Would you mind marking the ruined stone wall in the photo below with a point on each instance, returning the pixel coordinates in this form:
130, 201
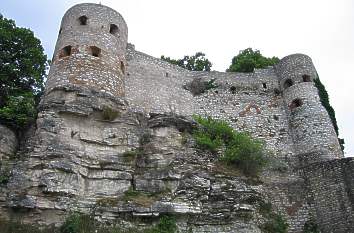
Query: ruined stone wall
249, 102
331, 188
90, 50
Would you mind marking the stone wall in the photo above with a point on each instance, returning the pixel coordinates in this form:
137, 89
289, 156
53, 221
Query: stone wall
331, 190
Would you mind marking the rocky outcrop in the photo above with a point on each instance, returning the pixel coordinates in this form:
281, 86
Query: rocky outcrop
129, 167
8, 142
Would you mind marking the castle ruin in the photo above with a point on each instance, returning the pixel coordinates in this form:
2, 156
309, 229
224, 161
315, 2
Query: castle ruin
75, 158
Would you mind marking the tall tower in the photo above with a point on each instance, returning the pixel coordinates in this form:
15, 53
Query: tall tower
313, 134
90, 50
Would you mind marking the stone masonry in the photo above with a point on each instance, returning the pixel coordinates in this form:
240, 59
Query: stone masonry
114, 121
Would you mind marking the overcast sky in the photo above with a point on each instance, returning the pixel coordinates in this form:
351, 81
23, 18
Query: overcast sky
322, 29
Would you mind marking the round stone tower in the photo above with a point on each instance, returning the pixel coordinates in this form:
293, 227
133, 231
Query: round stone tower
90, 51
312, 131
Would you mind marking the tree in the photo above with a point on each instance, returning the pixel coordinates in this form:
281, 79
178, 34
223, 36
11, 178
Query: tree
247, 60
197, 62
22, 70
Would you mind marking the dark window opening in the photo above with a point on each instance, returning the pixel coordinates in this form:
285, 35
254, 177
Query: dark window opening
83, 20
233, 89
122, 67
264, 85
113, 29
288, 83
166, 74
95, 51
306, 78
65, 52
275, 117
277, 91
296, 103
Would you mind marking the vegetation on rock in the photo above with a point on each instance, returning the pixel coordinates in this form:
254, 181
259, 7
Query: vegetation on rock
275, 222
22, 71
247, 60
239, 149
324, 98
109, 114
197, 62
83, 223
5, 173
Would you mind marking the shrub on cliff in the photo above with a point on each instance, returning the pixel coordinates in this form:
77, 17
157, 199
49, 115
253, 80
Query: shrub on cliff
239, 149
247, 60
22, 70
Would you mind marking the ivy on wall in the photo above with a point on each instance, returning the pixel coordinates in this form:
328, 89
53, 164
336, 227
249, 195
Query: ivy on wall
325, 102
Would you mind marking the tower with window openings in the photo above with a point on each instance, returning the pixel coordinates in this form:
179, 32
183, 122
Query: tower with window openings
313, 134
90, 50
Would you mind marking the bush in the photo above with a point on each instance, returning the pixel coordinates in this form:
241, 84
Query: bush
240, 149
5, 174
167, 224
276, 224
78, 223
245, 153
109, 114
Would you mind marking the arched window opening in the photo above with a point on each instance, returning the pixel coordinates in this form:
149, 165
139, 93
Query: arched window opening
296, 103
95, 51
65, 52
83, 20
113, 29
288, 83
306, 78
122, 67
264, 85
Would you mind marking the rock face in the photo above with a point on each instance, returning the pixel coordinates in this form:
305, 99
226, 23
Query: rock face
8, 142
112, 138
131, 165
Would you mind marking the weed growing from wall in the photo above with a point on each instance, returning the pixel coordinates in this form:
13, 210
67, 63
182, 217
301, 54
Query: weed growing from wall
239, 149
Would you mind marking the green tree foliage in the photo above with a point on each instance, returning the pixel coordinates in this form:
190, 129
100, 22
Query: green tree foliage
324, 98
247, 60
22, 70
239, 149
197, 62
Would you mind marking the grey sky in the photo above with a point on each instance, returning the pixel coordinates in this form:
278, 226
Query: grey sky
322, 29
